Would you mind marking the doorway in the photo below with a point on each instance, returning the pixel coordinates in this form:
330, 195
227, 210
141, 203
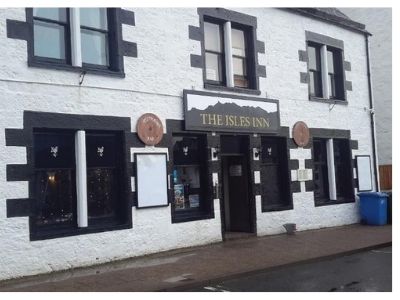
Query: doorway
236, 185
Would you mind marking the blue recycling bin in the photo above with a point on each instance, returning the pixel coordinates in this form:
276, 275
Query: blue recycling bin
373, 208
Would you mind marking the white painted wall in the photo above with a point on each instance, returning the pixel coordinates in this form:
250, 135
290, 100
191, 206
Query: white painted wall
154, 83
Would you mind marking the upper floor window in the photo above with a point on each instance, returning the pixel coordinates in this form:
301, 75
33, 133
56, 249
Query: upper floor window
325, 67
227, 54
76, 37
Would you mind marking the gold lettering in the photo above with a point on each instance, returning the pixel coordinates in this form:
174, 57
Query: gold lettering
219, 120
212, 119
203, 118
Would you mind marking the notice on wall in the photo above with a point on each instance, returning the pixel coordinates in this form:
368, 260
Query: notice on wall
152, 188
364, 173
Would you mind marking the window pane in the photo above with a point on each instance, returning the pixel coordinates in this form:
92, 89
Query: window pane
54, 150
94, 47
56, 14
49, 40
102, 192
239, 66
101, 150
213, 67
55, 197
332, 89
238, 42
312, 83
330, 62
94, 17
313, 58
212, 37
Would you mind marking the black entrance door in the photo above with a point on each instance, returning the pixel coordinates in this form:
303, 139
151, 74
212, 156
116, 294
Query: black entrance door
236, 193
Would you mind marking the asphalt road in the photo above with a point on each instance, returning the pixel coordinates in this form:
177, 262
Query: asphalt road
369, 271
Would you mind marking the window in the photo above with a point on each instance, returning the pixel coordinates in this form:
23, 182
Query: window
58, 203
55, 179
82, 38
314, 70
275, 191
190, 177
227, 61
213, 43
51, 33
332, 171
325, 69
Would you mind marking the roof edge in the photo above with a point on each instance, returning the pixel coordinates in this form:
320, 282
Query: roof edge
329, 18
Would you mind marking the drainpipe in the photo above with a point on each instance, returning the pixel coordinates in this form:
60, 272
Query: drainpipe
372, 113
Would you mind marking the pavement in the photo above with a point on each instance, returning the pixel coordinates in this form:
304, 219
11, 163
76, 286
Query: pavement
180, 269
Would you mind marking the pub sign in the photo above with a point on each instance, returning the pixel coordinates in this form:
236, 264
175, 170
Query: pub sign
221, 112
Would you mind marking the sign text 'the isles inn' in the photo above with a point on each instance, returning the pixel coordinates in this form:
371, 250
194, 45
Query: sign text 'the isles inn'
217, 112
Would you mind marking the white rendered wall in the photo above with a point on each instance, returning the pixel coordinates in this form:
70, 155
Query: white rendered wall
154, 83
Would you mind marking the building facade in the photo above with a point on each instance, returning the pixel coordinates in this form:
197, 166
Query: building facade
227, 87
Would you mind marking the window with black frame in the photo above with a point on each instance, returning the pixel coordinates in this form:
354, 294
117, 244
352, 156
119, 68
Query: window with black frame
189, 175
236, 70
214, 53
343, 171
94, 36
335, 73
320, 176
275, 192
51, 34
239, 57
54, 156
314, 69
103, 177
94, 48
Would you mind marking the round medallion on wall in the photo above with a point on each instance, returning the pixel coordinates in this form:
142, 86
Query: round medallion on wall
149, 129
301, 134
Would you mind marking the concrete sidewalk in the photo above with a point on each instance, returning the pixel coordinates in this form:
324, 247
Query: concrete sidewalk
172, 270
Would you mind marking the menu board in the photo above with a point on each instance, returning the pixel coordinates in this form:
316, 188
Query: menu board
151, 174
364, 174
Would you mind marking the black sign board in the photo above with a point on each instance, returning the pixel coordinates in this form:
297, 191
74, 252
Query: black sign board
222, 112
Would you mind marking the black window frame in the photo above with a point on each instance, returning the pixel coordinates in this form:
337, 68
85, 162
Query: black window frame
347, 177
222, 82
240, 21
338, 82
316, 72
205, 210
67, 40
338, 46
115, 49
284, 175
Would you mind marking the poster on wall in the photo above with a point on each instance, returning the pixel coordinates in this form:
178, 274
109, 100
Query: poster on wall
364, 173
151, 179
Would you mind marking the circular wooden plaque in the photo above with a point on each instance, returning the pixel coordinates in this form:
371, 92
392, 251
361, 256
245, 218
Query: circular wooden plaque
149, 129
301, 134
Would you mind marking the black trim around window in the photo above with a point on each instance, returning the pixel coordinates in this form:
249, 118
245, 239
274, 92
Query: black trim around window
249, 25
116, 47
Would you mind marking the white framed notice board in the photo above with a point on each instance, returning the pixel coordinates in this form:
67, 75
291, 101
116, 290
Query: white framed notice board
151, 179
364, 174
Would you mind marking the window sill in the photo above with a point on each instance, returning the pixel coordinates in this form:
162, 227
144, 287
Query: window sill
53, 233
333, 202
230, 89
189, 217
276, 208
330, 101
64, 67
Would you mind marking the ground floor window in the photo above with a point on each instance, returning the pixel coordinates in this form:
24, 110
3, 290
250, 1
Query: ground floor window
275, 191
190, 182
65, 201
332, 173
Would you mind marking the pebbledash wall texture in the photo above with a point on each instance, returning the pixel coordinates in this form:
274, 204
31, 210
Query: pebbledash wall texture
154, 82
